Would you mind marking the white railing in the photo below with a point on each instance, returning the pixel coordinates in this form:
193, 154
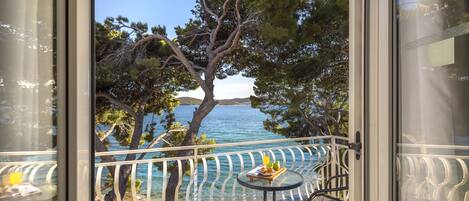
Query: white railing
37, 167
433, 172
213, 176
425, 172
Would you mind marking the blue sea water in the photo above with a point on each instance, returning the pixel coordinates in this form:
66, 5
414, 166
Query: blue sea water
230, 123
225, 124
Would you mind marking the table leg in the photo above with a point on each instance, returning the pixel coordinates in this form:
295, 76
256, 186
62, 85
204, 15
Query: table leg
273, 195
265, 195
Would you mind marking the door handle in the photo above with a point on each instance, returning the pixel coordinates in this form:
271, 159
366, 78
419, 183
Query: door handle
357, 145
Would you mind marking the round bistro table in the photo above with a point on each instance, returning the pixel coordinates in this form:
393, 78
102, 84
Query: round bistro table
286, 181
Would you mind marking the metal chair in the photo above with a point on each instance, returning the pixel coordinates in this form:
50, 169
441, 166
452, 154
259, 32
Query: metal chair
325, 191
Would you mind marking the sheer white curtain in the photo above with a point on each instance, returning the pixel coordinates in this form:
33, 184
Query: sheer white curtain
27, 92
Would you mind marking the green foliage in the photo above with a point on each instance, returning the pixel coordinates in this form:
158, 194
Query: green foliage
176, 139
299, 58
138, 185
133, 84
138, 80
109, 183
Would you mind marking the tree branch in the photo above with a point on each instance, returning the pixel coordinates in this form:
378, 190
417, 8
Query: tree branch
210, 11
213, 34
108, 132
235, 34
158, 139
160, 68
101, 148
116, 102
178, 54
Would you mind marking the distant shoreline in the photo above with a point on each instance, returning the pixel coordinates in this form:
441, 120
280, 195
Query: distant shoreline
233, 101
195, 105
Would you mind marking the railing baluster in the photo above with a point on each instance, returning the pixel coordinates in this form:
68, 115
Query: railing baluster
97, 187
133, 177
49, 174
4, 168
292, 167
335, 156
272, 154
18, 168
33, 173
302, 156
26, 171
464, 179
284, 162
212, 187
149, 179
228, 177
299, 169
116, 183
410, 176
196, 173
293, 158
306, 168
429, 178
204, 162
165, 180
176, 194
438, 194
315, 168
253, 163
241, 167
191, 179
284, 159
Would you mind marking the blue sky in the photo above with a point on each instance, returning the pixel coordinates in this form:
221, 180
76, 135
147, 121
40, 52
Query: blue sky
171, 13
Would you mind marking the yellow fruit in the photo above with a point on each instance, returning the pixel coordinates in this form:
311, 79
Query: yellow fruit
16, 178
276, 165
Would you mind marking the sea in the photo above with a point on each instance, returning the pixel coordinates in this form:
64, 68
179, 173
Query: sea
225, 124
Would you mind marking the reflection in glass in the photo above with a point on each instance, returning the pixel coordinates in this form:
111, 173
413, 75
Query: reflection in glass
433, 65
28, 102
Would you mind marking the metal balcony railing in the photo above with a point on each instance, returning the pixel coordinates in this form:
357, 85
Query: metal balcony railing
213, 176
37, 167
433, 172
425, 172
208, 177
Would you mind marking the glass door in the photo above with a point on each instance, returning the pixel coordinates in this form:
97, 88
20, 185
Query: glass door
432, 97
31, 107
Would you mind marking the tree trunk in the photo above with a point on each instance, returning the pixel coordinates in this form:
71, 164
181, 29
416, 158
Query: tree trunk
126, 170
202, 111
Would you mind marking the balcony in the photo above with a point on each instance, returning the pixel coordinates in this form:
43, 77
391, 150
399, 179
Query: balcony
212, 178
425, 172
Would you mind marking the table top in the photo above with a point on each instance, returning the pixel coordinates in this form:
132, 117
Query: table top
286, 181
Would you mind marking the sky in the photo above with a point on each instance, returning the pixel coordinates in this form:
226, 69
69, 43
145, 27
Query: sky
171, 13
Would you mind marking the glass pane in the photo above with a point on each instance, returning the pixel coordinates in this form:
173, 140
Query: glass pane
28, 100
433, 65
270, 76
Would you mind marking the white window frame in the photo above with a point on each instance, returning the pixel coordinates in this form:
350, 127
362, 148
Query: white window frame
379, 100
356, 96
80, 93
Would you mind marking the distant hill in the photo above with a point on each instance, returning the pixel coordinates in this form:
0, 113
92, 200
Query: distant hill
189, 101
196, 101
